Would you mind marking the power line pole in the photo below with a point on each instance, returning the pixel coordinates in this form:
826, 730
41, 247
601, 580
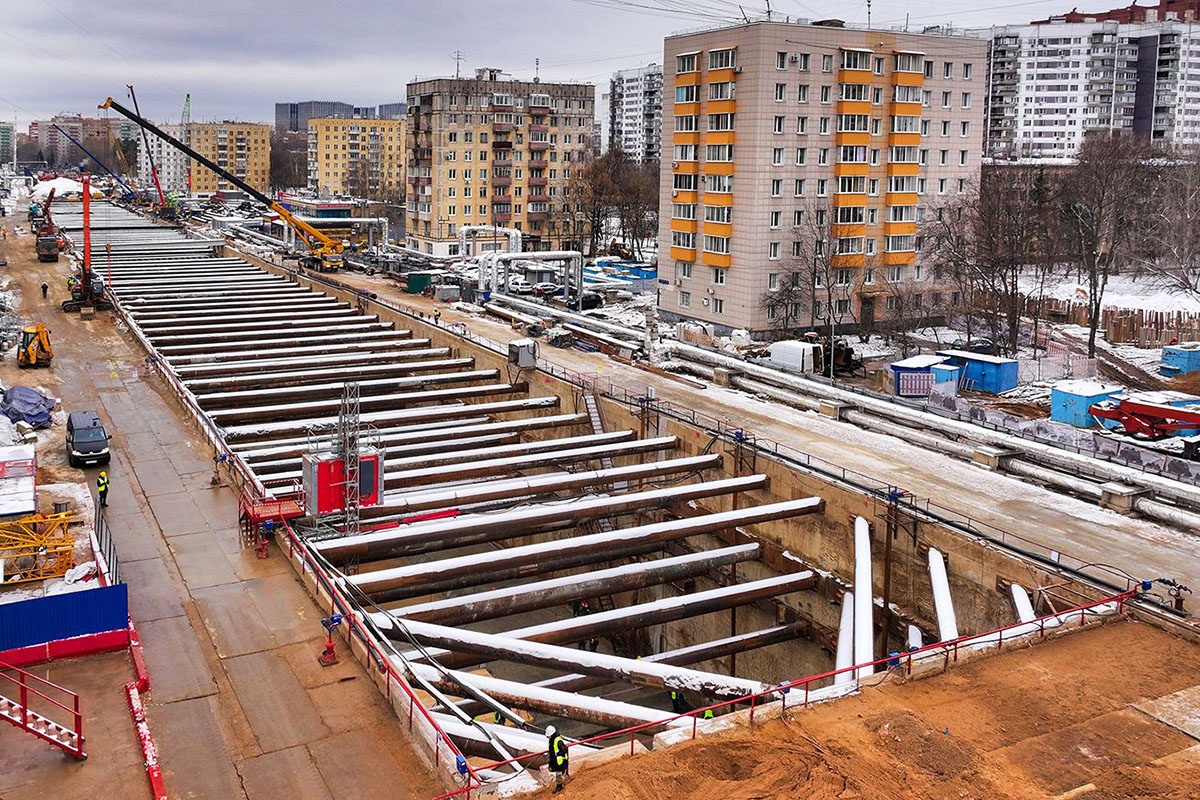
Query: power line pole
459, 56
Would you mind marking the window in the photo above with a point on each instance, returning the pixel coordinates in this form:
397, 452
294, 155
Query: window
928, 69
842, 277
718, 305
849, 245
947, 69
721, 184
908, 62
852, 184
797, 217
823, 125
874, 156
822, 187
924, 127
902, 214
856, 59
906, 124
826, 63
685, 63
871, 244
826, 94
774, 217
926, 98
772, 281
717, 152
685, 124
777, 156
891, 302
853, 123
776, 187
896, 274
777, 124
964, 128
802, 93
797, 249
876, 124
720, 122
722, 214
967, 69
873, 187
822, 215
721, 59
962, 158
801, 124
878, 67
924, 157
802, 58
901, 244
685, 299
718, 276
773, 251
684, 152
918, 272
945, 127
842, 306
903, 154
877, 95
799, 192
781, 61
801, 156
907, 94
685, 269
852, 154
780, 92
872, 216
822, 156
966, 99
686, 94
946, 99
942, 156
849, 215
683, 210
962, 185
720, 91
684, 182
683, 239
921, 186
941, 185
854, 91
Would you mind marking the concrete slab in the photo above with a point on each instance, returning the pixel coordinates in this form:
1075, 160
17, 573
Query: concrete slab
201, 561
249, 566
178, 669
280, 712
195, 761
218, 505
152, 592
177, 514
351, 704
302, 662
284, 607
123, 413
157, 477
283, 775
232, 621
1180, 710
142, 443
348, 774
136, 536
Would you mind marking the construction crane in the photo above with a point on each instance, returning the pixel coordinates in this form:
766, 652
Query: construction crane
146, 143
325, 253
35, 348
47, 242
92, 156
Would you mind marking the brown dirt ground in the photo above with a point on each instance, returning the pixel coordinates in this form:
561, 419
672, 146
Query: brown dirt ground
1033, 723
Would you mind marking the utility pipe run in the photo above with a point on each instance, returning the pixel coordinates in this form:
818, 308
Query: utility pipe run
864, 626
1022, 603
947, 621
845, 642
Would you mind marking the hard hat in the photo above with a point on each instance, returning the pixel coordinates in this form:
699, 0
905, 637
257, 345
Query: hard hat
551, 730
103, 474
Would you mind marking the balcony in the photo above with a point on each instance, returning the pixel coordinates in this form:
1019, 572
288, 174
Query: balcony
501, 180
536, 163
537, 216
539, 198
538, 181
502, 127
501, 198
539, 146
539, 128
538, 106
501, 216
502, 144
492, 106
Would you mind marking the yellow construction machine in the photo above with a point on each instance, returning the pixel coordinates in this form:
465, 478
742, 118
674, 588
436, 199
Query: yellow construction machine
35, 348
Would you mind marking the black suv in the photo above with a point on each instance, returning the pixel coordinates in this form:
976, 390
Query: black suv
87, 441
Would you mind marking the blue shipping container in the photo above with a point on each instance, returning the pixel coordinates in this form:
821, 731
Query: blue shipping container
984, 373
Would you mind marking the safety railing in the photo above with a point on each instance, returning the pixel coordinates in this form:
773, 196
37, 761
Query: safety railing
947, 651
107, 548
24, 688
458, 765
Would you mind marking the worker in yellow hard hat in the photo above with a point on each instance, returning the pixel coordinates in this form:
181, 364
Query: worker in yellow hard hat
102, 489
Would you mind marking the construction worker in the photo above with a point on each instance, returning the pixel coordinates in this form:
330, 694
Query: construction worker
4, 233
437, 316
558, 758
581, 608
678, 704
707, 714
45, 289
102, 489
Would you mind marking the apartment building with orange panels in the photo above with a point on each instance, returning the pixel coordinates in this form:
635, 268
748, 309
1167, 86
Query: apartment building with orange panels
243, 148
769, 123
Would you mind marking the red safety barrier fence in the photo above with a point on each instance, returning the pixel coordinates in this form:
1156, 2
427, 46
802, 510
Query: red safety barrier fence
948, 651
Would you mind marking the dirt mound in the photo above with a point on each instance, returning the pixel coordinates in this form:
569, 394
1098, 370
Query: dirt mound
911, 740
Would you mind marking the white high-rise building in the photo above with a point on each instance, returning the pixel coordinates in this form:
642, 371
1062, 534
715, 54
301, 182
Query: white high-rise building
1052, 83
635, 112
172, 165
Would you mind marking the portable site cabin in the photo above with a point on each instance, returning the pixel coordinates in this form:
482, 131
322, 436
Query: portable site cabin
983, 373
1070, 401
1180, 359
912, 376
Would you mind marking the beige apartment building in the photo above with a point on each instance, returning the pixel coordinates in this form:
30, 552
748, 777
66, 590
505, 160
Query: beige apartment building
490, 150
772, 128
358, 157
243, 148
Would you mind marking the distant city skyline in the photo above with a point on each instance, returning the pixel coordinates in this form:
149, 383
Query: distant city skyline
282, 53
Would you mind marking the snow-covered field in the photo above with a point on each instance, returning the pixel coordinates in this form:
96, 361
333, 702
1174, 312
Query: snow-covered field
1123, 291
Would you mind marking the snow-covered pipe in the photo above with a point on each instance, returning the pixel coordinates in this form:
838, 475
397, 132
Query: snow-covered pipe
911, 435
927, 420
513, 235
942, 602
1022, 603
864, 626
845, 642
775, 393
1080, 486
915, 640
497, 260
579, 319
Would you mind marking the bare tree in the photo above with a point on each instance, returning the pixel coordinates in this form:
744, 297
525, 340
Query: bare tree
909, 308
1170, 246
1103, 200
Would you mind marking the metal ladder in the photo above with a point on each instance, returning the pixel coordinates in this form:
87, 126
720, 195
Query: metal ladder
17, 711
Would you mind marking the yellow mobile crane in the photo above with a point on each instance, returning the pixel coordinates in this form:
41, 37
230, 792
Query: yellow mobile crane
324, 253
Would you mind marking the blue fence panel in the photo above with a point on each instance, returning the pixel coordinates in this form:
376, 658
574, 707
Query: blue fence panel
63, 616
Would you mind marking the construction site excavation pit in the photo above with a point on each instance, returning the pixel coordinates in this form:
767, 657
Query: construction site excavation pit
547, 554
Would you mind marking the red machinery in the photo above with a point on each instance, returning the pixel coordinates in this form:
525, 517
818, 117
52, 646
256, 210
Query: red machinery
1143, 418
324, 481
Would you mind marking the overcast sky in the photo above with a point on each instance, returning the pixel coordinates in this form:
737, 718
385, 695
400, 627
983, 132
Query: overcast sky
239, 57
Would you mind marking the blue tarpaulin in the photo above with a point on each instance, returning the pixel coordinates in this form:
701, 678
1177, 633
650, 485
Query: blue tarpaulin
22, 404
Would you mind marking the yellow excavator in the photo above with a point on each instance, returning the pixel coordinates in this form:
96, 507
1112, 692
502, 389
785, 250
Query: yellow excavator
35, 348
324, 252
